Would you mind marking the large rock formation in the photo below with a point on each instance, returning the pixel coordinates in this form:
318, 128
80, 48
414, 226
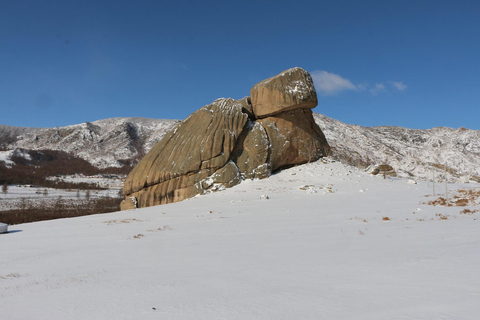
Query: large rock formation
229, 140
197, 148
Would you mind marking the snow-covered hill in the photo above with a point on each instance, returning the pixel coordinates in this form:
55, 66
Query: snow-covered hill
104, 143
317, 241
419, 154
412, 153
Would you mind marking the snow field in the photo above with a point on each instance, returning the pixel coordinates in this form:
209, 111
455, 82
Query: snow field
16, 194
319, 247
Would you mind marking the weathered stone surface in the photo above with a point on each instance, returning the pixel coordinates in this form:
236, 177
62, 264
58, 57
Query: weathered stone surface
128, 204
226, 177
373, 170
193, 150
252, 152
387, 170
294, 139
173, 190
247, 107
382, 169
227, 141
291, 89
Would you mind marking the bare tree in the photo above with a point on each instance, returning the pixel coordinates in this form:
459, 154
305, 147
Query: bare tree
5, 188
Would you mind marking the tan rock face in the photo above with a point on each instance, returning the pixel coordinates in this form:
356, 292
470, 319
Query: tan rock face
294, 138
386, 170
227, 176
128, 204
193, 150
291, 89
227, 141
247, 107
252, 152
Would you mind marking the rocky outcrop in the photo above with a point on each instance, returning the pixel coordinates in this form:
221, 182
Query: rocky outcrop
229, 140
294, 138
291, 89
252, 154
195, 149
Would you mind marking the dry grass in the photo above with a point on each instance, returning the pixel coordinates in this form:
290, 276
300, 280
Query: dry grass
10, 276
357, 218
116, 221
164, 228
441, 201
471, 195
441, 216
459, 203
468, 211
461, 198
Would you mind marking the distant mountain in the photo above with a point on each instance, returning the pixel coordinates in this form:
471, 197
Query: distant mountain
104, 143
413, 153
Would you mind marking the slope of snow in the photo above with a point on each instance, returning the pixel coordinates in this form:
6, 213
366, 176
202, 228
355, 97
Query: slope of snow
311, 242
16, 195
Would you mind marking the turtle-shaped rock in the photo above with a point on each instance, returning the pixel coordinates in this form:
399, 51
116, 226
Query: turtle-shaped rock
229, 140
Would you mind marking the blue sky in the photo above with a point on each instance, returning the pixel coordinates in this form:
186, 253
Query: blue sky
414, 64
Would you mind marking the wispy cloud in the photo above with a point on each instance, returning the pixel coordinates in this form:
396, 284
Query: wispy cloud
398, 85
328, 83
378, 88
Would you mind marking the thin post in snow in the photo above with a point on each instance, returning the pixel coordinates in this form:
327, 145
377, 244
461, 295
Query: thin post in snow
446, 185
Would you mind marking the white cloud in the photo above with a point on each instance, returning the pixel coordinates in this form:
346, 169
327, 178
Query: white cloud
398, 85
362, 86
328, 83
379, 87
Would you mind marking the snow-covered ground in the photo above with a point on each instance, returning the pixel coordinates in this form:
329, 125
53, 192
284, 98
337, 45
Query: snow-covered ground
110, 181
319, 241
29, 193
18, 193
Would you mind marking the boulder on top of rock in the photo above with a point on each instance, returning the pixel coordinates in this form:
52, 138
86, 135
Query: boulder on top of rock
291, 89
229, 140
